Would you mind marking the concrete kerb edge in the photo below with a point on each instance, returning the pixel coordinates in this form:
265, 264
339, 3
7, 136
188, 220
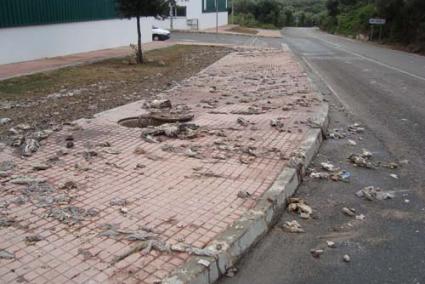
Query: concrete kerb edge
244, 233
225, 33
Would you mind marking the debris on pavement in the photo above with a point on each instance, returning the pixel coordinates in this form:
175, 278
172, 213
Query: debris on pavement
299, 206
231, 272
329, 167
242, 121
356, 128
40, 166
316, 253
372, 193
26, 180
362, 160
4, 254
33, 239
158, 104
346, 258
30, 147
243, 194
331, 244
351, 212
360, 217
5, 120
394, 176
70, 215
293, 227
204, 262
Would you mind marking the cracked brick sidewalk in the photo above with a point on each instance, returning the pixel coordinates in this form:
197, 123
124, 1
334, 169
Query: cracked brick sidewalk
177, 198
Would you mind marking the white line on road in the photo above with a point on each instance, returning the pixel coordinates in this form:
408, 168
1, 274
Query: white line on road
346, 106
373, 60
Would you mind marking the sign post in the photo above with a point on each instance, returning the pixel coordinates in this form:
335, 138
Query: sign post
380, 23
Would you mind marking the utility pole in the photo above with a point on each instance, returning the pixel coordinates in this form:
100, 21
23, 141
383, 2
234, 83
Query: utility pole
216, 16
233, 12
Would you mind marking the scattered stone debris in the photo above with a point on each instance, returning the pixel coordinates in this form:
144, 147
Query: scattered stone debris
71, 215
331, 244
372, 193
346, 258
299, 206
352, 142
40, 166
244, 194
329, 167
26, 180
351, 212
82, 166
250, 111
104, 144
242, 121
362, 160
24, 126
4, 254
68, 185
356, 128
6, 221
118, 202
334, 176
293, 227
337, 134
316, 253
277, 123
171, 130
204, 262
5, 120
394, 176
158, 104
360, 217
231, 272
33, 239
30, 147
139, 151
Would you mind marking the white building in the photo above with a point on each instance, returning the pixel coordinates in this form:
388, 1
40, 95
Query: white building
196, 15
37, 29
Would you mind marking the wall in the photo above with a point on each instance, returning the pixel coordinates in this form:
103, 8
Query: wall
34, 42
194, 11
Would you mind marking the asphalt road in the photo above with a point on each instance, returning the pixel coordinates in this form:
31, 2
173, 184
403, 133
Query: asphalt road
384, 90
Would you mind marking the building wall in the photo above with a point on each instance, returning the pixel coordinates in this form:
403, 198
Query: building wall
35, 42
195, 11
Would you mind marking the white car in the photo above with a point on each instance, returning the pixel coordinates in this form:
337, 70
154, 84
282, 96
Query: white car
160, 34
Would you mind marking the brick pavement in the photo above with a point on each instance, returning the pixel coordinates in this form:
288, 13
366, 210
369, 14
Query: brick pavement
173, 197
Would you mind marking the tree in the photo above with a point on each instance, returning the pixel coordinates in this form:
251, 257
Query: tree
143, 8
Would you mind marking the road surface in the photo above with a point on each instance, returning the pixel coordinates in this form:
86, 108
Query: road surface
384, 90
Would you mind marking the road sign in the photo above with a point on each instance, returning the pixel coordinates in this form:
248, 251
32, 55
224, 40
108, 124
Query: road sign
377, 21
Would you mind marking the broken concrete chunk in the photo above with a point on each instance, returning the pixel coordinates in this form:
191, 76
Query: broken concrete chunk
160, 104
30, 146
293, 227
371, 193
349, 211
243, 194
204, 262
331, 244
242, 121
329, 167
4, 254
32, 239
23, 126
26, 180
5, 120
298, 205
346, 258
40, 166
316, 253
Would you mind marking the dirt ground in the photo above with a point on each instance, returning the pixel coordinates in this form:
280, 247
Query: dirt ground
50, 99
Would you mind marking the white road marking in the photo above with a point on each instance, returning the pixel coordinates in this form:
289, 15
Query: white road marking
373, 60
326, 83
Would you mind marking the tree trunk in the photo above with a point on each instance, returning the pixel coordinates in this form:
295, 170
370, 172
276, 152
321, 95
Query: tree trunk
139, 43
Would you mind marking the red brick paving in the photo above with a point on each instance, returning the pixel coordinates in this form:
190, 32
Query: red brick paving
166, 196
45, 64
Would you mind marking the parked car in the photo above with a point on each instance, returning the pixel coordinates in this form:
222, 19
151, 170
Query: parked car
160, 34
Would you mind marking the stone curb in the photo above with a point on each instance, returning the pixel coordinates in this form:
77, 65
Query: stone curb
225, 33
230, 245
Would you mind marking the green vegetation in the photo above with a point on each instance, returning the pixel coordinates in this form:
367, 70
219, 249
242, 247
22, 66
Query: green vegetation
405, 20
278, 13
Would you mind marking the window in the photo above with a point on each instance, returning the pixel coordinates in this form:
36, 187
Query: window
208, 6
